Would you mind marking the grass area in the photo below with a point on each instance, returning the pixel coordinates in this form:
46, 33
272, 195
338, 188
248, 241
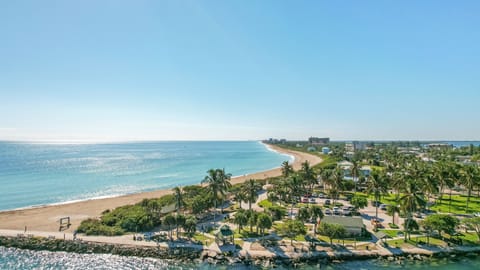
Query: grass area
202, 238
458, 204
414, 241
245, 233
265, 203
391, 233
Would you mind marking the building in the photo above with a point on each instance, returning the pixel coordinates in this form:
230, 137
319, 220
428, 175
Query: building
311, 149
325, 150
318, 141
353, 225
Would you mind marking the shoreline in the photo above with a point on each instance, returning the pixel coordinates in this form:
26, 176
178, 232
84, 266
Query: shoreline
45, 217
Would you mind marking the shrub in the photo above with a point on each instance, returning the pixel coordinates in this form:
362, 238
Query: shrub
95, 227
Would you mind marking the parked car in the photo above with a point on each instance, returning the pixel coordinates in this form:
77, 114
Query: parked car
376, 223
336, 210
376, 203
312, 200
383, 207
328, 212
304, 200
321, 195
327, 202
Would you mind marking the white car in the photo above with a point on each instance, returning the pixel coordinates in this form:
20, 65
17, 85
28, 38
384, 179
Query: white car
336, 210
328, 212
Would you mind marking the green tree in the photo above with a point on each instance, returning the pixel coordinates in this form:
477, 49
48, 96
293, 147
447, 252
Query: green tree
296, 189
252, 219
292, 228
392, 210
264, 222
377, 185
473, 224
471, 178
240, 219
332, 230
308, 175
316, 213
179, 202
190, 225
359, 202
411, 200
303, 214
218, 183
441, 223
251, 188
170, 221
179, 222
287, 169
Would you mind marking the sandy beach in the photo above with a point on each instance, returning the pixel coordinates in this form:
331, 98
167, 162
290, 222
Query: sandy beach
46, 218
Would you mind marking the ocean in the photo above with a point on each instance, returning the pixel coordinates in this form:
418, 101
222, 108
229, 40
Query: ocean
12, 258
33, 174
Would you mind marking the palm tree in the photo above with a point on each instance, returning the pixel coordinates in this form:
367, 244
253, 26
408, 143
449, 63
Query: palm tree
179, 222
471, 178
296, 188
179, 203
169, 220
264, 222
240, 219
377, 186
190, 225
218, 183
251, 189
355, 173
336, 183
287, 169
309, 175
411, 200
239, 196
316, 213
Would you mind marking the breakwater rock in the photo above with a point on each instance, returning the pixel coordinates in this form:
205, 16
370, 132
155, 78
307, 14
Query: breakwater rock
41, 243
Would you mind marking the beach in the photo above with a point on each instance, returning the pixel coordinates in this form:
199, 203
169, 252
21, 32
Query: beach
46, 218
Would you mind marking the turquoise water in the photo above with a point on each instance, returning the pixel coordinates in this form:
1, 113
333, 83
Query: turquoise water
37, 174
11, 258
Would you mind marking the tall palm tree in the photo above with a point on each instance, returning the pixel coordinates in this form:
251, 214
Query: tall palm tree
251, 189
239, 196
411, 200
218, 183
336, 183
377, 186
179, 202
355, 170
287, 169
471, 178
316, 213
309, 175
296, 188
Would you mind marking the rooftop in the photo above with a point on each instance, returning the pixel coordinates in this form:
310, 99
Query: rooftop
355, 222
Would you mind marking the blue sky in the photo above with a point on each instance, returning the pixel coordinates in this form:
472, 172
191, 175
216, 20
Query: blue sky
209, 70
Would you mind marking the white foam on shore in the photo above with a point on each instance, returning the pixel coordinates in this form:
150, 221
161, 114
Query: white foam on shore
290, 156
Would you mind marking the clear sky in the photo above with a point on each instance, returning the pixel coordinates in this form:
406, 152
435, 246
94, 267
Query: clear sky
208, 70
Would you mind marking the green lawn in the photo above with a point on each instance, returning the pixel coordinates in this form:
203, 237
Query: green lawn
391, 233
458, 204
202, 238
265, 203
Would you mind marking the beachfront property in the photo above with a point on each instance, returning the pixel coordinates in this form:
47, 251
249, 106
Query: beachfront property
353, 225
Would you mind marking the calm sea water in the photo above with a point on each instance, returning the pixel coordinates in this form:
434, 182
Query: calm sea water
11, 258
37, 174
